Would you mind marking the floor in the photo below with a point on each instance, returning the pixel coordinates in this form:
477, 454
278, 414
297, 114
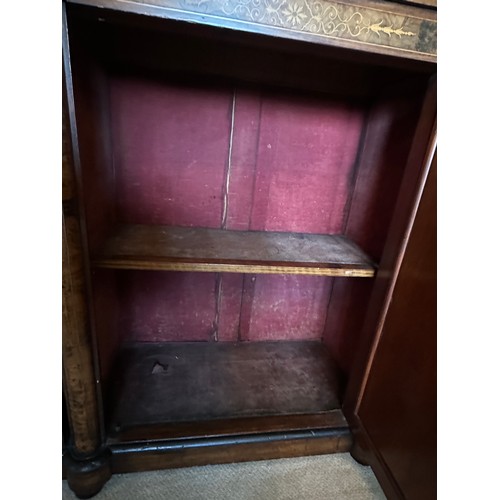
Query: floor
323, 477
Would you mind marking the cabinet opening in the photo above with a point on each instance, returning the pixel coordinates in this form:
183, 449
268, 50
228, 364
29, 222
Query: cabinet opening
237, 199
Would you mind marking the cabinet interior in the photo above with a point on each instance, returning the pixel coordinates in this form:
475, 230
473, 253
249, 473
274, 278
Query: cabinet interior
237, 193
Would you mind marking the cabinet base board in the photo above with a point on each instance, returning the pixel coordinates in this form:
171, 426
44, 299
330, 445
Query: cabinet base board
215, 383
229, 427
205, 451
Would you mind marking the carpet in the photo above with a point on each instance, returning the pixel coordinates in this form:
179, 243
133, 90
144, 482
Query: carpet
321, 477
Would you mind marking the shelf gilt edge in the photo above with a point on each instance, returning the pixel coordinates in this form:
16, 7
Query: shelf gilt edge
233, 268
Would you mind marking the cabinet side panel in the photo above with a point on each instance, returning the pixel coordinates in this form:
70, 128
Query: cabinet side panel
398, 407
417, 168
91, 100
345, 318
387, 143
78, 352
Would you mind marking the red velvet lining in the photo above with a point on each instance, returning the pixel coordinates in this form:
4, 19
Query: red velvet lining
291, 169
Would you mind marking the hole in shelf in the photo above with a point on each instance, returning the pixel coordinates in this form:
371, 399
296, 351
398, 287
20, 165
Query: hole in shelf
159, 368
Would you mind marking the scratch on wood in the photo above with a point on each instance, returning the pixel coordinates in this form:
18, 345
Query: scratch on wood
225, 209
225, 194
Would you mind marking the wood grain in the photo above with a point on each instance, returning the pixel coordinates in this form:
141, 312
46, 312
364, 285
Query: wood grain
410, 420
210, 250
77, 352
178, 382
78, 376
398, 406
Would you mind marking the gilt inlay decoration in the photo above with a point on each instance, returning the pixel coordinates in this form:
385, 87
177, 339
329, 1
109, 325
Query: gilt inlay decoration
412, 34
323, 18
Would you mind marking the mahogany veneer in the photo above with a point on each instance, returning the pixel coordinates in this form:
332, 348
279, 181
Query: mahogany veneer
226, 181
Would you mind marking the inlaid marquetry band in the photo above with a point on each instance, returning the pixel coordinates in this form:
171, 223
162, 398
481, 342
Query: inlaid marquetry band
233, 268
336, 21
324, 18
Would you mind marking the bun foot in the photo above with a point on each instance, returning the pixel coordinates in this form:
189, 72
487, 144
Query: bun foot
360, 451
87, 477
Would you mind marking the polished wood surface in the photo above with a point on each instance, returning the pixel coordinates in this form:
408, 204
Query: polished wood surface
211, 250
333, 419
193, 452
397, 410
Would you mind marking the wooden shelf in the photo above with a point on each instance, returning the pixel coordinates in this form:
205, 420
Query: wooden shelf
180, 389
216, 250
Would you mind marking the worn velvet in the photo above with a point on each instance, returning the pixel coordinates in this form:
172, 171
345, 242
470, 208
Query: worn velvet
288, 162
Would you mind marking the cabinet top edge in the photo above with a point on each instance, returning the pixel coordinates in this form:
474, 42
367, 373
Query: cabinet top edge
374, 27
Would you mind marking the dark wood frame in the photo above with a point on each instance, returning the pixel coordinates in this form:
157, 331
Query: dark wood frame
90, 457
416, 387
